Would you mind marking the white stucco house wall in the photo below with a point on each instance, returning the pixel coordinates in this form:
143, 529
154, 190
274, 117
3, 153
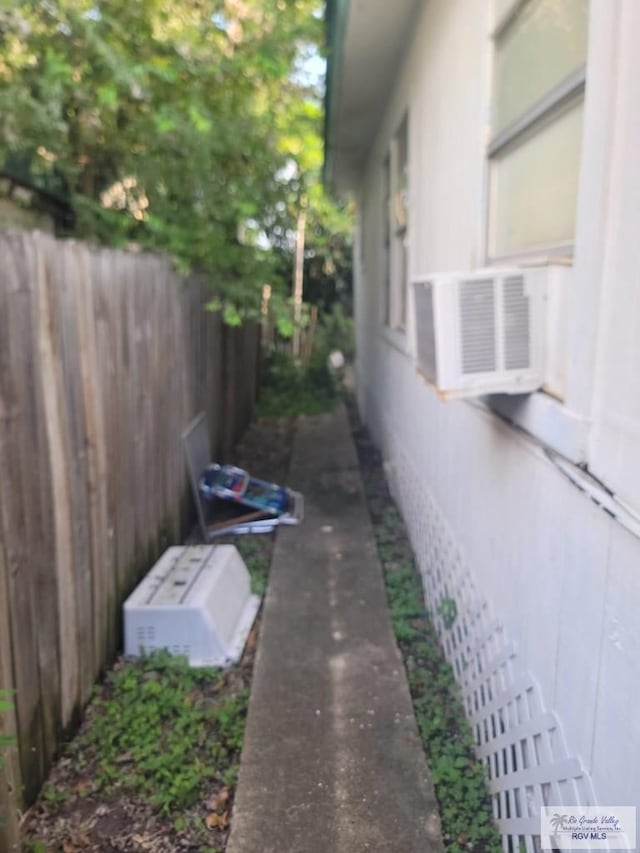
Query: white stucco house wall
490, 135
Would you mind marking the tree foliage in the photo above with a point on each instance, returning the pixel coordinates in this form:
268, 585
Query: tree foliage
180, 125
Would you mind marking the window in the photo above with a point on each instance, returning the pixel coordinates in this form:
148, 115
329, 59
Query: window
396, 228
386, 241
534, 155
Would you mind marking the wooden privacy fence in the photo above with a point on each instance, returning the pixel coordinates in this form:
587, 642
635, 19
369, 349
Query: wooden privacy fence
105, 357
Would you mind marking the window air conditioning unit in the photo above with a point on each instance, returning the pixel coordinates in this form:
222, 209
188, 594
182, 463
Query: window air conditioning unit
481, 332
196, 601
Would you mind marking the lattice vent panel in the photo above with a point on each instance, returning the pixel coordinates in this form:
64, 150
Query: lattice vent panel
518, 739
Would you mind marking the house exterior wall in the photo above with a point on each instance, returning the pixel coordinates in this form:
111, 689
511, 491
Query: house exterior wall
546, 643
615, 440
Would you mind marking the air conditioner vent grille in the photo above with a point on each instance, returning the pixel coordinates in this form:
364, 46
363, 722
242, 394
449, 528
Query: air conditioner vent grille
517, 343
477, 326
426, 339
482, 331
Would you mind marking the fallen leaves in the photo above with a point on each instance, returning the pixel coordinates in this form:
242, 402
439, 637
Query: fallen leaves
84, 787
143, 842
217, 821
222, 798
218, 818
78, 843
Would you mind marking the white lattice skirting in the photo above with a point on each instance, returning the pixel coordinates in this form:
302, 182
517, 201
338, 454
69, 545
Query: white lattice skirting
518, 739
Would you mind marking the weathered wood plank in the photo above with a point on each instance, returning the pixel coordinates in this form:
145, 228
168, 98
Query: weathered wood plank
50, 335
16, 462
103, 329
102, 613
10, 777
40, 534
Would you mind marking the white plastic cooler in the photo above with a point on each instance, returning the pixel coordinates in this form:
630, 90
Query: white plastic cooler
196, 601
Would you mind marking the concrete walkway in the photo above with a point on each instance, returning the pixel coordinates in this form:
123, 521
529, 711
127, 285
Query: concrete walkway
332, 762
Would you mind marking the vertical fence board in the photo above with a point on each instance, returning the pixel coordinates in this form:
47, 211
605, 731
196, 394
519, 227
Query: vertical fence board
101, 635
10, 777
39, 530
50, 336
10, 782
105, 357
109, 313
17, 468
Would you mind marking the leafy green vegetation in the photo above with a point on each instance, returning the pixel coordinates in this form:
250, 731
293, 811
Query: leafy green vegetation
5, 705
157, 730
289, 389
193, 128
6, 741
459, 779
308, 387
159, 750
256, 553
448, 610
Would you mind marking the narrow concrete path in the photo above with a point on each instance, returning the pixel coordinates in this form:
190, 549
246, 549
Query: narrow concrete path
332, 761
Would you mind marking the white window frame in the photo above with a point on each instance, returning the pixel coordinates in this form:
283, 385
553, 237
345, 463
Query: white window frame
386, 241
395, 205
565, 95
558, 423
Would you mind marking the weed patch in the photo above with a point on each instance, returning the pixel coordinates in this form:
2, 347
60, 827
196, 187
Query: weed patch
256, 553
159, 731
160, 745
6, 741
458, 777
289, 390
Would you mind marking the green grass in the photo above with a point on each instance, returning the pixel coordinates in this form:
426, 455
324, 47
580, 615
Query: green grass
6, 741
256, 553
5, 705
158, 731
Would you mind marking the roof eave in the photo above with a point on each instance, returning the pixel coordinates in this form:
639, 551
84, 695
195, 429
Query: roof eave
337, 12
367, 41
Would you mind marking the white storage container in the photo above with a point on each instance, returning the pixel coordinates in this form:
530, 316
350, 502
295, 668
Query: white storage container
196, 601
